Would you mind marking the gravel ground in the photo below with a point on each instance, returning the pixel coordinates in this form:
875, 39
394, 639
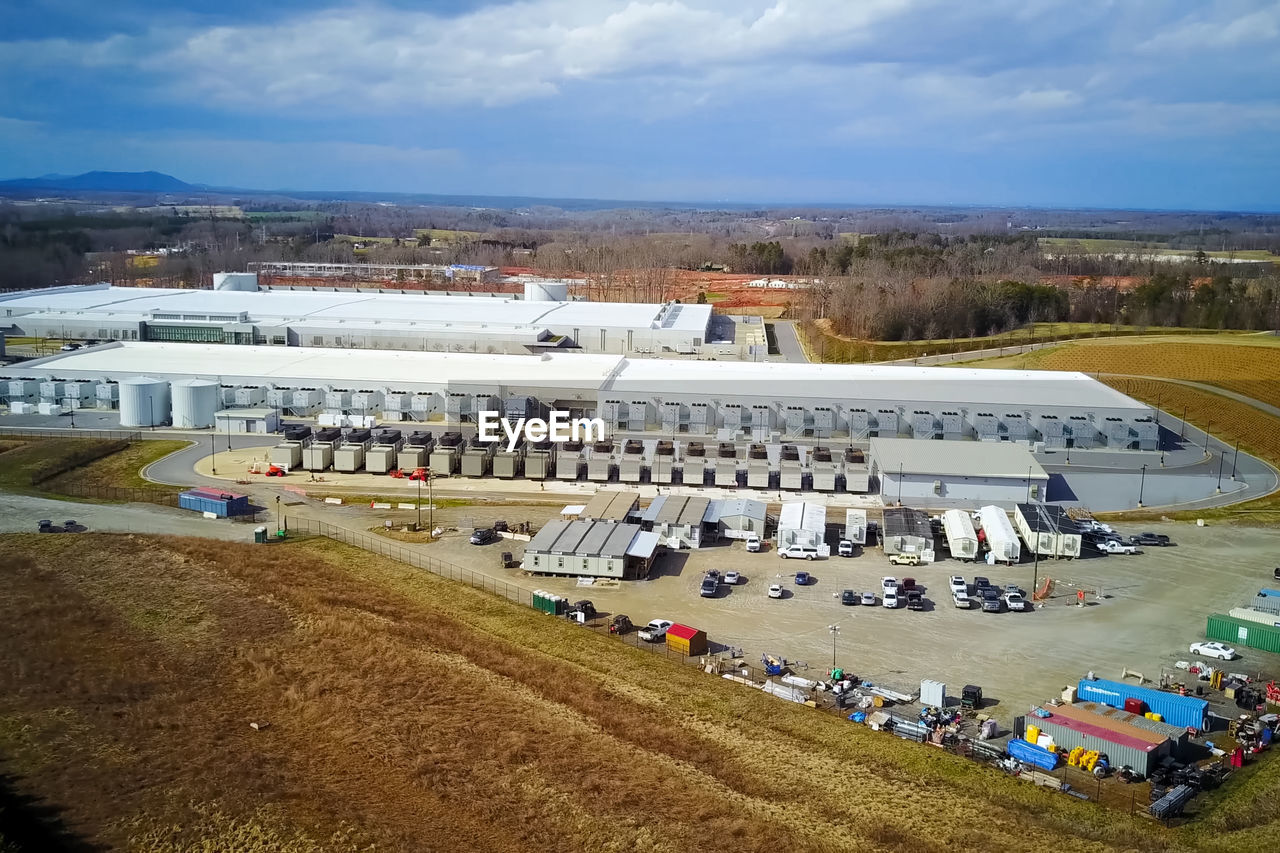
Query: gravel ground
19, 514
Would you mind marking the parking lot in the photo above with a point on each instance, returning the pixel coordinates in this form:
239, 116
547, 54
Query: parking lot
1141, 612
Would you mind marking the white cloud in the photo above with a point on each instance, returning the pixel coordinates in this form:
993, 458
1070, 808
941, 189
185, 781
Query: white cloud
1208, 31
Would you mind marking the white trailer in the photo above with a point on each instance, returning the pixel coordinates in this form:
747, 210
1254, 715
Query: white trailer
855, 526
1036, 529
962, 539
998, 533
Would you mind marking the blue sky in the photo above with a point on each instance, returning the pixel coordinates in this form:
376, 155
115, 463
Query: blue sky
1114, 103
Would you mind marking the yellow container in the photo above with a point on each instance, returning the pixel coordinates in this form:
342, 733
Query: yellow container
1033, 733
1156, 717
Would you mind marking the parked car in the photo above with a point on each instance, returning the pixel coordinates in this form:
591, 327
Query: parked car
888, 583
803, 578
961, 600
959, 584
1015, 602
798, 552
904, 559
1158, 540
69, 347
1012, 588
483, 536
733, 578
849, 598
1221, 651
714, 574
753, 543
915, 600
1114, 546
709, 587
991, 602
869, 599
845, 548
775, 590
656, 630
890, 598
907, 584
979, 584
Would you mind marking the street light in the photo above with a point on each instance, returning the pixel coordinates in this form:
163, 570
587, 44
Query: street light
419, 503
835, 632
1234, 457
1222, 458
1206, 436
1141, 484
899, 484
214, 448
279, 515
1029, 470
1183, 431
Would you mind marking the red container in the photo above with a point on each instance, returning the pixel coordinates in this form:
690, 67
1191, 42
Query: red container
1134, 705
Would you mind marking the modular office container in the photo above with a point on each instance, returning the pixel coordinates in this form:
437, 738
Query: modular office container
1255, 635
1185, 711
962, 540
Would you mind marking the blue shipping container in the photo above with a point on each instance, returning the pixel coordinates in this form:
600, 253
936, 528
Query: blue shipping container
221, 505
1029, 753
1185, 711
1269, 593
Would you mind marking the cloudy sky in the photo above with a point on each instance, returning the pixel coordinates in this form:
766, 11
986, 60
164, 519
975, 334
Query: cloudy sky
1120, 103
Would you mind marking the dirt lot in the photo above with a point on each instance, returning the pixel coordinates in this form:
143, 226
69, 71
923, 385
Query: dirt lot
1151, 607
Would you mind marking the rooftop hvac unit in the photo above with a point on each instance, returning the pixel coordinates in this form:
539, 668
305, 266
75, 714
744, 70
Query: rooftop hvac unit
337, 400
279, 398
250, 396
51, 389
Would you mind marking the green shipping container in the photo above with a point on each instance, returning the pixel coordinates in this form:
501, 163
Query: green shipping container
1241, 633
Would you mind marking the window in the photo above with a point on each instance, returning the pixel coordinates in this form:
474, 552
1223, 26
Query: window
277, 340
317, 341
559, 562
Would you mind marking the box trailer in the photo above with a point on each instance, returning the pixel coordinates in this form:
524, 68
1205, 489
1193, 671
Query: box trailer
1240, 632
1185, 711
997, 532
962, 539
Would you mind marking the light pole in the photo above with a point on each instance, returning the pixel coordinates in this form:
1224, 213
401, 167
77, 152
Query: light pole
1142, 483
899, 484
835, 632
1234, 457
419, 503
1029, 469
1206, 436
213, 447
1183, 431
1222, 458
279, 515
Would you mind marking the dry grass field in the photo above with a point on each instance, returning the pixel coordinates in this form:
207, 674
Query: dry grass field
1251, 370
409, 713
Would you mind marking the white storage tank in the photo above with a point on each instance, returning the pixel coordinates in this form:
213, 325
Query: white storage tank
546, 291
144, 401
235, 281
195, 403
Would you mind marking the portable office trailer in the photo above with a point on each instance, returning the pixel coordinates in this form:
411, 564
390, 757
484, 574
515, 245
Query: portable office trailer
1035, 529
1067, 538
677, 519
1185, 711
802, 523
735, 517
962, 539
997, 532
611, 505
855, 526
906, 531
591, 548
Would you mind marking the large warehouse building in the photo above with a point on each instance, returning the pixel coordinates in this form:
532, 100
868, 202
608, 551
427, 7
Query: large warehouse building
237, 311
732, 414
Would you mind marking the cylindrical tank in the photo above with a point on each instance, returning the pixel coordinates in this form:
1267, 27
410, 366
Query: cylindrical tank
144, 401
195, 403
546, 291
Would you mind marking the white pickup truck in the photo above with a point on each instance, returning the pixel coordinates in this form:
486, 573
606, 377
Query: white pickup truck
1111, 546
655, 630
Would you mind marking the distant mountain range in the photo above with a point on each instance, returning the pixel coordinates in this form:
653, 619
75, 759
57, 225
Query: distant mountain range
111, 182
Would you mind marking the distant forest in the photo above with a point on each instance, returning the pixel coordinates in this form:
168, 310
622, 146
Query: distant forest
875, 274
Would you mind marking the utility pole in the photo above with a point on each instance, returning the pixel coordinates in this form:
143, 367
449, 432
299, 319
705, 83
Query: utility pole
1141, 484
835, 632
1222, 458
1234, 457
213, 447
419, 503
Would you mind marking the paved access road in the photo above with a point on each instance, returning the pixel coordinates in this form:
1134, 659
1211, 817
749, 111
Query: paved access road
789, 349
